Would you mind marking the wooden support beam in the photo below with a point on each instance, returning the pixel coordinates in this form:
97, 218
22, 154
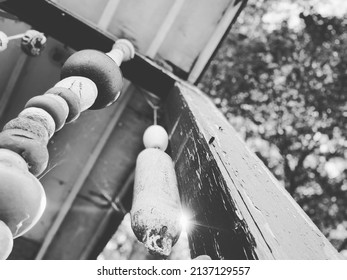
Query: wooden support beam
11, 84
238, 209
165, 27
108, 14
47, 17
110, 222
222, 29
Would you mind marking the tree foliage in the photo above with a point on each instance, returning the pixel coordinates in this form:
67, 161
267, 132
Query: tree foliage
285, 91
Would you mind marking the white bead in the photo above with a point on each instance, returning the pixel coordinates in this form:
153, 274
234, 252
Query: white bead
156, 136
3, 41
41, 116
83, 87
123, 50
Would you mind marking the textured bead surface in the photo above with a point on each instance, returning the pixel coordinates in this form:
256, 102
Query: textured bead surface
28, 146
12, 159
85, 90
156, 209
72, 100
30, 126
41, 116
22, 199
156, 136
101, 69
6, 241
33, 42
55, 105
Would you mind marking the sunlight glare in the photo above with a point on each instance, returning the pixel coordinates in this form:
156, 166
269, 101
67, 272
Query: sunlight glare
185, 221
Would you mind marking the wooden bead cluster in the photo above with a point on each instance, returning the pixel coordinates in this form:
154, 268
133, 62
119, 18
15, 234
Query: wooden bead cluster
90, 80
32, 42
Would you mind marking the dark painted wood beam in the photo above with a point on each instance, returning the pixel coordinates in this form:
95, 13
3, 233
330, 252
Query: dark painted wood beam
46, 17
238, 209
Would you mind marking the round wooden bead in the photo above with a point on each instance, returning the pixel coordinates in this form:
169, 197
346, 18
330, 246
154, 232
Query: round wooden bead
27, 145
6, 241
3, 41
41, 116
72, 100
30, 126
156, 136
22, 199
101, 69
85, 89
12, 159
55, 105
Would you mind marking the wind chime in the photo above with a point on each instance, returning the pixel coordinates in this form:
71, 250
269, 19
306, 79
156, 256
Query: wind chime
90, 80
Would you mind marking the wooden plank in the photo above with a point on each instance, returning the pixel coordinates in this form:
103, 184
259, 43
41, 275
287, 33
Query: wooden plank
57, 22
12, 82
191, 31
178, 30
140, 21
164, 28
107, 14
239, 210
89, 10
61, 25
221, 30
110, 222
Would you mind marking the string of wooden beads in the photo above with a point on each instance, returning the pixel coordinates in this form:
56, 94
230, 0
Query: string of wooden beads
90, 80
156, 208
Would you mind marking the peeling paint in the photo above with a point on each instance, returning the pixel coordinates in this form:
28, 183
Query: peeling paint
238, 189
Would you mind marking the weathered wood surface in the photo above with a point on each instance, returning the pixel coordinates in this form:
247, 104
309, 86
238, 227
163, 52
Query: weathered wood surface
222, 29
174, 32
62, 26
239, 210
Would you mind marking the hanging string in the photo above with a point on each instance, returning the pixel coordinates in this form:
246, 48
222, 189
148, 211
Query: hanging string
151, 104
19, 36
155, 115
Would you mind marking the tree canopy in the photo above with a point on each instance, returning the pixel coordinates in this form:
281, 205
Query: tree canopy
285, 91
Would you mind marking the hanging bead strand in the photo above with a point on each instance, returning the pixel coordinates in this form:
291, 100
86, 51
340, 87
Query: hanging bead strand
23, 141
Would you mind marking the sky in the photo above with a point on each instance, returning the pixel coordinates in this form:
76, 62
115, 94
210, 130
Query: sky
283, 10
